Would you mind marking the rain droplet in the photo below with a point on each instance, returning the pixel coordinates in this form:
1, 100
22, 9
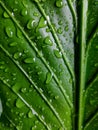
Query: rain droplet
34, 127
23, 90
21, 114
36, 14
48, 41
59, 30
60, 22
48, 78
30, 114
5, 14
19, 103
17, 55
13, 44
42, 23
59, 3
9, 31
66, 28
56, 97
19, 33
30, 24
57, 53
24, 12
29, 60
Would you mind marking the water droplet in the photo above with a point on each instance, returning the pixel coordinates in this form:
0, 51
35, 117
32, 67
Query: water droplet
59, 30
24, 12
21, 114
47, 30
29, 60
59, 3
42, 23
48, 78
60, 22
2, 67
57, 53
36, 122
56, 97
6, 70
36, 14
34, 127
61, 128
5, 14
15, 87
30, 24
19, 33
30, 114
17, 55
96, 47
13, 44
19, 103
96, 65
9, 31
48, 41
25, 3
66, 28
23, 90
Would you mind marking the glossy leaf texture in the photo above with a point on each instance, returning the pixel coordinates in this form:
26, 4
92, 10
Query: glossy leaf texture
40, 41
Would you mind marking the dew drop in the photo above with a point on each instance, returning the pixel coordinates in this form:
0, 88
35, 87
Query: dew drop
30, 114
57, 53
34, 127
30, 24
19, 103
9, 31
42, 23
5, 14
59, 3
61, 128
19, 33
59, 30
36, 14
29, 60
2, 67
96, 65
23, 90
48, 41
24, 12
17, 55
13, 44
21, 114
66, 28
56, 97
60, 22
36, 122
48, 78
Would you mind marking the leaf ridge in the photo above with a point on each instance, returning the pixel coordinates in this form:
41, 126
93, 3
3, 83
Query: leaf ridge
10, 121
56, 39
42, 58
27, 104
95, 114
92, 82
73, 13
34, 85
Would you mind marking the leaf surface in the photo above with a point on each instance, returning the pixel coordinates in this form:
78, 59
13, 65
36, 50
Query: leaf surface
48, 65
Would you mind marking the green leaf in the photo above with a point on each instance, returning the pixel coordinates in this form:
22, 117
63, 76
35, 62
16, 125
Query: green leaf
48, 65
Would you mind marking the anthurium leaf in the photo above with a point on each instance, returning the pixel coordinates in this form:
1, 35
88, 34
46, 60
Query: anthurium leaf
42, 84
